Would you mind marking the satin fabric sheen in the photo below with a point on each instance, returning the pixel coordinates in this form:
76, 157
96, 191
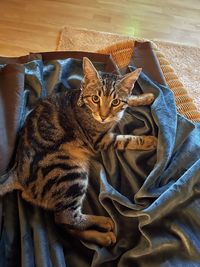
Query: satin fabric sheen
152, 196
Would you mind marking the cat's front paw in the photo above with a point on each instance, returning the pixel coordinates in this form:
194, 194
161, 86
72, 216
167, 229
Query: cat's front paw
132, 142
141, 100
103, 239
105, 224
149, 142
106, 239
149, 97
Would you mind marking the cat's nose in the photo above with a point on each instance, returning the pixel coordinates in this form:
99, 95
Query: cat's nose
103, 117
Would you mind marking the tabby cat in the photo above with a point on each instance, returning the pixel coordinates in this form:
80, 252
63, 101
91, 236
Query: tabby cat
56, 143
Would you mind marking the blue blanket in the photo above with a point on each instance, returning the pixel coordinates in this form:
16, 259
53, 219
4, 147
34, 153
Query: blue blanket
152, 196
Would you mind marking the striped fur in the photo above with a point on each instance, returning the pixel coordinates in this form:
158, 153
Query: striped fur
57, 140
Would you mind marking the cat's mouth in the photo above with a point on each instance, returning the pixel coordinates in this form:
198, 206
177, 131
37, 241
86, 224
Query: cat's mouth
102, 120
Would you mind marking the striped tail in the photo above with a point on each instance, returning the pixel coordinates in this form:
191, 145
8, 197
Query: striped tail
9, 183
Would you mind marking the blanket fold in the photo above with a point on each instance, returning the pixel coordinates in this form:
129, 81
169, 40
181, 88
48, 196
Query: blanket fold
152, 196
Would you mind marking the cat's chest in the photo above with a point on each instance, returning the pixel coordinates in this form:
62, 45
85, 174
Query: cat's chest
77, 152
92, 129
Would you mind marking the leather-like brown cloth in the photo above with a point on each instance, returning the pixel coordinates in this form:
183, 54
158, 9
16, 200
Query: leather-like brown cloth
11, 91
12, 84
144, 57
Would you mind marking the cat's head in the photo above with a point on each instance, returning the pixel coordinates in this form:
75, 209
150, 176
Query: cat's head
106, 96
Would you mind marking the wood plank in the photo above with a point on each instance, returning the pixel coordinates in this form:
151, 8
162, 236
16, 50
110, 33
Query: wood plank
34, 25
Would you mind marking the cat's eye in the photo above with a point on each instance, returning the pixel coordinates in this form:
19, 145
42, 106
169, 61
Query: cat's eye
116, 102
95, 98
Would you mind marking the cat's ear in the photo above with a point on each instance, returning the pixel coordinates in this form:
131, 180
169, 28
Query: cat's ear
129, 80
89, 71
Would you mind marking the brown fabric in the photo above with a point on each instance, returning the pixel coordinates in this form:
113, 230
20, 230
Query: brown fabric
11, 96
145, 58
121, 52
139, 54
19, 60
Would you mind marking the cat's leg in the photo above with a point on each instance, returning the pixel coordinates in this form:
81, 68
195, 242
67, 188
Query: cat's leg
68, 200
82, 225
141, 100
77, 220
92, 236
132, 142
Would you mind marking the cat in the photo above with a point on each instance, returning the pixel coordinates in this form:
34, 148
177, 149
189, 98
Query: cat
57, 140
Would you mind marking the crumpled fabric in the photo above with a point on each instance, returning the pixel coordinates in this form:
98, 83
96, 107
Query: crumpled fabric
152, 196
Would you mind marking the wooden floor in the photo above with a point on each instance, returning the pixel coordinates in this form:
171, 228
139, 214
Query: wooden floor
34, 25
